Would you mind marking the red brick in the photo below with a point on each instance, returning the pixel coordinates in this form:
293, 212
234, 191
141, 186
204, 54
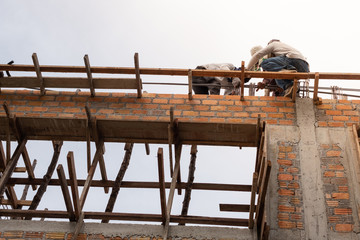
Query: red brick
202, 108
218, 120
343, 107
200, 119
259, 103
241, 114
207, 114
272, 121
228, 103
286, 192
335, 166
343, 227
340, 118
276, 104
190, 113
218, 108
283, 216
336, 124
234, 120
210, 102
343, 188
333, 112
133, 105
287, 224
333, 153
34, 235
324, 106
351, 113
286, 177
287, 110
182, 107
224, 114
176, 101
252, 109
255, 115
322, 124
269, 109
13, 234
332, 203
294, 185
329, 174
140, 111
276, 115
340, 195
342, 211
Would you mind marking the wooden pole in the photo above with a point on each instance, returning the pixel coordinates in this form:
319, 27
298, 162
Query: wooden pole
137, 74
65, 191
89, 75
74, 185
120, 176
190, 84
38, 73
47, 177
162, 185
242, 90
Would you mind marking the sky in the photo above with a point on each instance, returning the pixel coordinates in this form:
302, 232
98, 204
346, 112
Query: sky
174, 34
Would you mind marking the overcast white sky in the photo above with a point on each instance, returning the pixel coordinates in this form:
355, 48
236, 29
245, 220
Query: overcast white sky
175, 34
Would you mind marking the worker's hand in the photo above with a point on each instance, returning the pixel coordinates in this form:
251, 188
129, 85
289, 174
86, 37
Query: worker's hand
260, 85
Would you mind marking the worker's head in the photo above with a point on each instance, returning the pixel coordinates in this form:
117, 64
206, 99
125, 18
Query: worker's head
273, 40
255, 49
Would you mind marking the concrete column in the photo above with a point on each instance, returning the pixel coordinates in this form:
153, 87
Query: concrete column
315, 220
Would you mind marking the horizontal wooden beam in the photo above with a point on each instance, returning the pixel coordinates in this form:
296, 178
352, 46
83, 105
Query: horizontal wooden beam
223, 134
178, 72
131, 184
234, 207
127, 217
69, 82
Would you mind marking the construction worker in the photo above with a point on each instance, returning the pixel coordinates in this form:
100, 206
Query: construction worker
283, 58
212, 85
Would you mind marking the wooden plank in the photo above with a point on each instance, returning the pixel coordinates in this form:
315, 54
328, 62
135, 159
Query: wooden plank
74, 185
190, 84
65, 191
40, 79
11, 166
127, 217
137, 74
120, 176
98, 154
171, 196
89, 75
146, 185
160, 157
234, 207
46, 179
252, 200
171, 140
190, 181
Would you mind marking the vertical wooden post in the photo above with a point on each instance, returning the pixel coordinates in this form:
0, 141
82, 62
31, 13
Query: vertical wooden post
162, 184
242, 81
74, 185
38, 73
190, 84
316, 87
295, 86
137, 73
89, 75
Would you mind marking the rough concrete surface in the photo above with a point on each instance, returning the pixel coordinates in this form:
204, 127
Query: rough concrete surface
129, 230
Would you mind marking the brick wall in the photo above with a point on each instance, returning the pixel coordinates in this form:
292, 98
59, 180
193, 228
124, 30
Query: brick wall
338, 113
290, 214
336, 189
150, 107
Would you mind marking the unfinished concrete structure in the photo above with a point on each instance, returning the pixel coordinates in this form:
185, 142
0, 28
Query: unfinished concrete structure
306, 177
